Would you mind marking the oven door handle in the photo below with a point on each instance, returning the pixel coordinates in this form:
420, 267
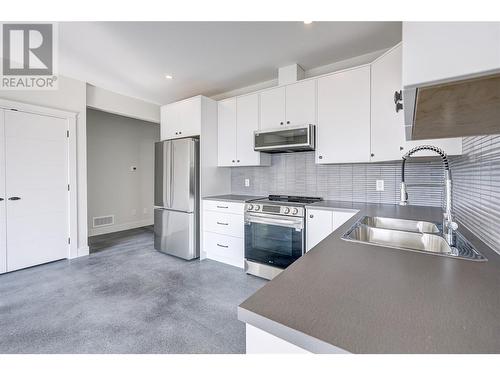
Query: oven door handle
297, 224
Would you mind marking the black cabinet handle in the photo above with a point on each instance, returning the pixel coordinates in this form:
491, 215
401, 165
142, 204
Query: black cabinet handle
237, 161
1, 199
311, 216
320, 157
14, 198
281, 123
401, 148
233, 161
398, 96
288, 122
399, 107
372, 155
222, 223
224, 246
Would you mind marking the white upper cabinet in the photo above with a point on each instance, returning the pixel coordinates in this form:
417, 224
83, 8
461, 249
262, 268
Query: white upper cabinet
247, 120
290, 105
226, 132
238, 118
272, 108
343, 129
301, 103
437, 51
387, 126
181, 119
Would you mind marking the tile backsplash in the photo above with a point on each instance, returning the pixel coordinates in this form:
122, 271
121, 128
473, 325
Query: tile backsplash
476, 182
297, 174
476, 187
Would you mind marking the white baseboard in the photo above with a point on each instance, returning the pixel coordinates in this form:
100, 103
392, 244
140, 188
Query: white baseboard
119, 227
82, 251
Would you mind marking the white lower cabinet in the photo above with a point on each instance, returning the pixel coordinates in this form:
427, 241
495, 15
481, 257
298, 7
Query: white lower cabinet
320, 223
225, 249
223, 232
262, 342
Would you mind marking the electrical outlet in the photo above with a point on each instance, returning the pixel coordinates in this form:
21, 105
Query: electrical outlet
247, 182
380, 185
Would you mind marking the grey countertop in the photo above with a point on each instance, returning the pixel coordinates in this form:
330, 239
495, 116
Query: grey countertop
344, 296
232, 198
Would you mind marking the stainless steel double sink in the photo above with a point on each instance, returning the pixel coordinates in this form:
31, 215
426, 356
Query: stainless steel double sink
411, 235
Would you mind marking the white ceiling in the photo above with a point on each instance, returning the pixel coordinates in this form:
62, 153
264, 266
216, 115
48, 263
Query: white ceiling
206, 58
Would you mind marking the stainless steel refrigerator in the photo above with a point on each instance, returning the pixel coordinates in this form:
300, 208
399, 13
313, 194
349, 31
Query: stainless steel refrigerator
177, 202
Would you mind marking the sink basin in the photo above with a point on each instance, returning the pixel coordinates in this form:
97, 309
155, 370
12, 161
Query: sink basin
400, 224
411, 235
400, 239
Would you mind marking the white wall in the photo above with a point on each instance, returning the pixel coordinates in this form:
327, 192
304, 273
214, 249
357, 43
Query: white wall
114, 144
112, 102
70, 96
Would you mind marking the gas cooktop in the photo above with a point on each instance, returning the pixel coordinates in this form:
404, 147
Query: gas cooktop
290, 199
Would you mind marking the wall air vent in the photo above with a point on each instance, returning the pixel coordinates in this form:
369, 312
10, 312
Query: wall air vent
103, 221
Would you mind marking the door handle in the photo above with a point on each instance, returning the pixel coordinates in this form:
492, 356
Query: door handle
14, 198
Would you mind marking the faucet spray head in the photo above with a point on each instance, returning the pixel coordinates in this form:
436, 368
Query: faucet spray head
404, 195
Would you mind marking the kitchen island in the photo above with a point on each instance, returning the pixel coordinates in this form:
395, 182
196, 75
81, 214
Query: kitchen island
350, 297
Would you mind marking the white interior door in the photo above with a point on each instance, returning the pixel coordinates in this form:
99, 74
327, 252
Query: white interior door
3, 234
36, 189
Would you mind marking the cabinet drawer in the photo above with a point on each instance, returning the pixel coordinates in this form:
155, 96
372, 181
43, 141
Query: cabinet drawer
221, 206
225, 249
223, 223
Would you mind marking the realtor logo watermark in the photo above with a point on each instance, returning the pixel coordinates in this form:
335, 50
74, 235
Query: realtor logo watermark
29, 59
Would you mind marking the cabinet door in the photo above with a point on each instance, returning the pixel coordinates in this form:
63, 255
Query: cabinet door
436, 51
340, 217
387, 125
301, 103
169, 117
226, 133
247, 115
189, 117
272, 108
343, 131
318, 226
3, 202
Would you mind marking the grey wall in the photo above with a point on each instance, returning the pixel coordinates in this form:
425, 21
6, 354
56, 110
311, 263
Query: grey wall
297, 174
114, 144
476, 179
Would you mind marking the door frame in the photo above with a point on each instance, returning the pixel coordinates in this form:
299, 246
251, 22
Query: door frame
71, 118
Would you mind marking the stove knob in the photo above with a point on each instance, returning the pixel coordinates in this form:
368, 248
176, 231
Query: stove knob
286, 210
257, 207
250, 207
295, 211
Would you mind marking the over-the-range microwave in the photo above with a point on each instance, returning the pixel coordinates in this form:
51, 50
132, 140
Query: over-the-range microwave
286, 139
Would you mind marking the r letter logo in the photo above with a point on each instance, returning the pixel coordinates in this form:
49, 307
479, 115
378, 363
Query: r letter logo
28, 56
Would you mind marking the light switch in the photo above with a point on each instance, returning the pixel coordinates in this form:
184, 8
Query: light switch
247, 182
380, 185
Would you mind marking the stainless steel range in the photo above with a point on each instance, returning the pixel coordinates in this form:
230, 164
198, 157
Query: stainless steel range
274, 233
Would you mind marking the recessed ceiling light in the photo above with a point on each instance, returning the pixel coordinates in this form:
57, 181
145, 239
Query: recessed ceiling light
168, 76
308, 22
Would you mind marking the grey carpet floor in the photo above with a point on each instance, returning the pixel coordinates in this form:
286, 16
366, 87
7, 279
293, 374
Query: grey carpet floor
126, 298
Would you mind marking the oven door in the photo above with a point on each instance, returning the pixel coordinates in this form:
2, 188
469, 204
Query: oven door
273, 239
